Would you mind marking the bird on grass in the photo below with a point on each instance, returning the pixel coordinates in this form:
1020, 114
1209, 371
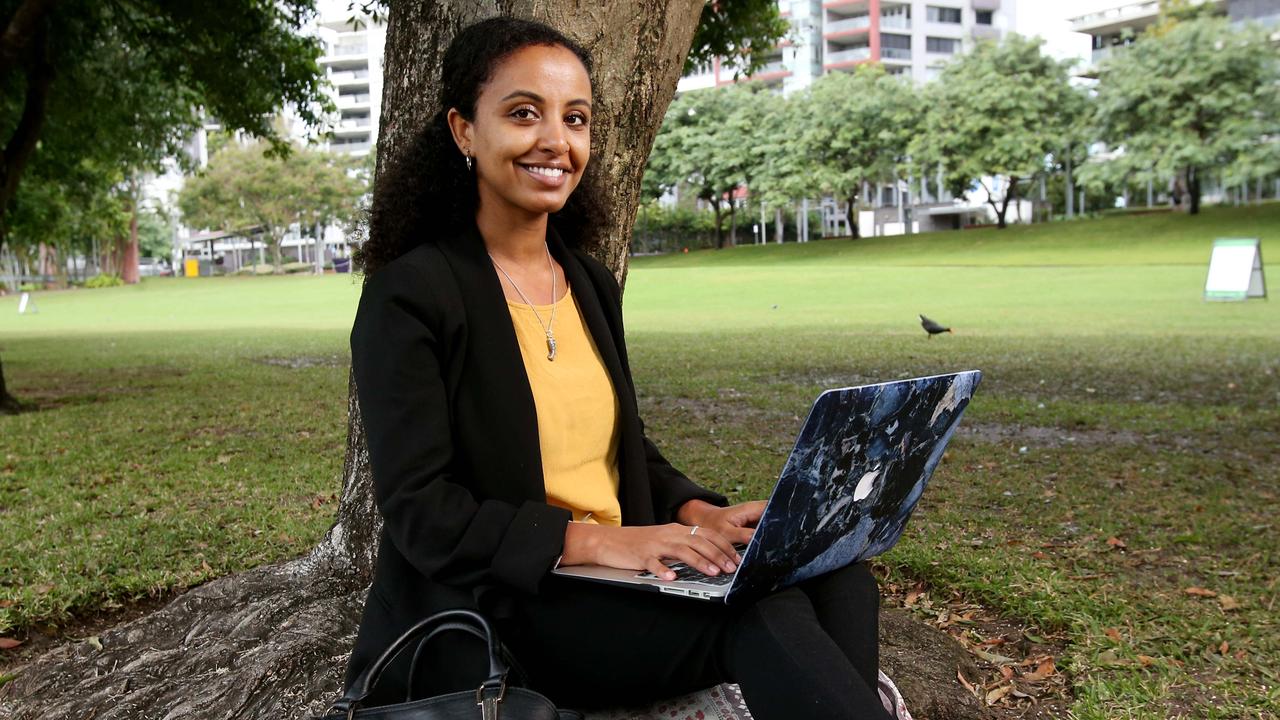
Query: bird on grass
932, 327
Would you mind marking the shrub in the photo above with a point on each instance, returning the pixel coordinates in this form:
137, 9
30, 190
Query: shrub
103, 281
297, 267
661, 230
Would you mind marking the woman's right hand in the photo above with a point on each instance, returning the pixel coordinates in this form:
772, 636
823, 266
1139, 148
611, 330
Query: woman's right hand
644, 547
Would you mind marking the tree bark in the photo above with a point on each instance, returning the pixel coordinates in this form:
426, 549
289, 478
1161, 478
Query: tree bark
715, 207
129, 262
273, 642
1193, 190
18, 149
851, 214
9, 405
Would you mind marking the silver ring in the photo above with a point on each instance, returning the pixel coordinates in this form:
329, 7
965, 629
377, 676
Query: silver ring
694, 531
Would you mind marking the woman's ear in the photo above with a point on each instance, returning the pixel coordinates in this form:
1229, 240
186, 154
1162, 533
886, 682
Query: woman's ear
461, 130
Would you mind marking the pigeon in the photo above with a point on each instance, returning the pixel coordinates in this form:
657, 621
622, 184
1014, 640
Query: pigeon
932, 327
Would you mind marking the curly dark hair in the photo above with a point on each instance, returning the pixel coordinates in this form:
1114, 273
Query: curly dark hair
428, 185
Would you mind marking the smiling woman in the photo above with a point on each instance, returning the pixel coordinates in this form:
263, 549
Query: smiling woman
504, 437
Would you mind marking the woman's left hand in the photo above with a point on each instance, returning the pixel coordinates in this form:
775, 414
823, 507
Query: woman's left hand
736, 522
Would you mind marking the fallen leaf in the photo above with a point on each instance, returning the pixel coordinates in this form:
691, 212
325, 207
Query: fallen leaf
1116, 542
967, 685
1224, 647
1200, 592
1228, 603
1033, 638
94, 641
1113, 634
9, 643
1146, 660
1039, 555
224, 459
1006, 672
1044, 670
992, 658
996, 695
42, 589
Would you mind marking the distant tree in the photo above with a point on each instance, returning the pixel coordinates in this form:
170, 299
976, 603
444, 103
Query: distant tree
706, 145
731, 29
246, 186
1200, 95
857, 130
124, 83
995, 112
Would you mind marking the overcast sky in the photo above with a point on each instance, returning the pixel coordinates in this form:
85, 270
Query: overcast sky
1049, 20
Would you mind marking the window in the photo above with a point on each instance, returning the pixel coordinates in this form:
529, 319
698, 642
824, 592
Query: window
942, 46
897, 42
943, 14
984, 17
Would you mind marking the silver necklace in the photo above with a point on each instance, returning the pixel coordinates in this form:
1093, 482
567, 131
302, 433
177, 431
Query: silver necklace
546, 327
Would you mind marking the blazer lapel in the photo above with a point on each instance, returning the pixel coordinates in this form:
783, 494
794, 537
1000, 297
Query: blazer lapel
633, 493
500, 395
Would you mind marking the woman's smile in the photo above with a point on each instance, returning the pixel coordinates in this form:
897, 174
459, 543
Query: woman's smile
550, 175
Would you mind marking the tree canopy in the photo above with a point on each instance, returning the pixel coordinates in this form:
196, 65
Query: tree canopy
246, 186
998, 111
1201, 94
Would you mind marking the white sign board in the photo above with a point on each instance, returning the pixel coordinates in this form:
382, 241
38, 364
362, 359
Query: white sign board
1235, 270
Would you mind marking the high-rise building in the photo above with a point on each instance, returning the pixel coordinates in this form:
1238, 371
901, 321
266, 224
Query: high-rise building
911, 37
352, 61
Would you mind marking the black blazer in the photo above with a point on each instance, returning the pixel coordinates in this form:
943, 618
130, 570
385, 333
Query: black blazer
453, 434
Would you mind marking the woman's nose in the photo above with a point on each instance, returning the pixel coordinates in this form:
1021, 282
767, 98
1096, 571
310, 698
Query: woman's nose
554, 140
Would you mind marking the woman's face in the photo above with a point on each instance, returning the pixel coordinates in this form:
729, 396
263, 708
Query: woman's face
530, 138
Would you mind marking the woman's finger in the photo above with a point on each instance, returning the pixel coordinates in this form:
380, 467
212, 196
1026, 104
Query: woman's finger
727, 556
656, 566
685, 552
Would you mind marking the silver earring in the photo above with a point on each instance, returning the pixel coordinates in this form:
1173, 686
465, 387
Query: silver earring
468, 156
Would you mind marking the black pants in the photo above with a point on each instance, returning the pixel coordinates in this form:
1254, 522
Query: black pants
810, 651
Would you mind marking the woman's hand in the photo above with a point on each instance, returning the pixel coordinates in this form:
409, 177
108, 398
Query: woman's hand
736, 523
644, 547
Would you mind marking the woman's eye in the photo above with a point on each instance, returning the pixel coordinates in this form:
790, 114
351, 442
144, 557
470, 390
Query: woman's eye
581, 119
528, 112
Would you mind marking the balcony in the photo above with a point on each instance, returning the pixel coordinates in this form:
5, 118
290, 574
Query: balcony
1136, 15
357, 100
895, 22
777, 66
986, 4
341, 49
853, 24
850, 55
891, 53
349, 77
985, 32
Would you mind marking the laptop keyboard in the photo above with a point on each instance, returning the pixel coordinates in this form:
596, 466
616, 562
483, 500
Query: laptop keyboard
687, 574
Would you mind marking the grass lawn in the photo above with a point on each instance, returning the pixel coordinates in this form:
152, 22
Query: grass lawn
1124, 447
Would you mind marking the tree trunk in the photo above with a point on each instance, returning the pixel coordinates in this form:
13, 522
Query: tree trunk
1193, 191
851, 214
715, 207
273, 642
9, 405
1003, 210
732, 220
17, 150
129, 264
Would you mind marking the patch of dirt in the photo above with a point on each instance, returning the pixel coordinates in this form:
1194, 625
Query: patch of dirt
1016, 666
1048, 437
301, 362
36, 641
56, 391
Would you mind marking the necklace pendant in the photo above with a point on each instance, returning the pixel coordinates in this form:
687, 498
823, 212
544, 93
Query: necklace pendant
551, 346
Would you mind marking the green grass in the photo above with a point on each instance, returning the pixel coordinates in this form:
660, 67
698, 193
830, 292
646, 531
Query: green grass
172, 448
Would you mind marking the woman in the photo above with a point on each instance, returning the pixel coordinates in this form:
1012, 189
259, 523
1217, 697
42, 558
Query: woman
504, 438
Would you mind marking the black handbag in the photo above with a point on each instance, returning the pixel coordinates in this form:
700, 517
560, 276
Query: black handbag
493, 699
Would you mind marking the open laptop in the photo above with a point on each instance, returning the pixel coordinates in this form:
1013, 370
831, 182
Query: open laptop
860, 464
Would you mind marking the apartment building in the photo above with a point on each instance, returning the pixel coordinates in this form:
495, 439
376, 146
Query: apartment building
915, 38
352, 61
1115, 28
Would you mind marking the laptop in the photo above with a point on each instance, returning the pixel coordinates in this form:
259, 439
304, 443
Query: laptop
860, 464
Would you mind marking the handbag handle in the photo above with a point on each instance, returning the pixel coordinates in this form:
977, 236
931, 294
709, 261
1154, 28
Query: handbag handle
448, 619
515, 672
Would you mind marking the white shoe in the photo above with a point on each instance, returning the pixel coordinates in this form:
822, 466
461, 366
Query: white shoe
891, 698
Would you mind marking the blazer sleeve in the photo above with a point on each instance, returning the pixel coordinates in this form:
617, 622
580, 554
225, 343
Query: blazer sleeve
668, 487
429, 513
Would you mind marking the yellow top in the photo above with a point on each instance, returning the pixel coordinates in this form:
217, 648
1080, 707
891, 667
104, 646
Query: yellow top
577, 412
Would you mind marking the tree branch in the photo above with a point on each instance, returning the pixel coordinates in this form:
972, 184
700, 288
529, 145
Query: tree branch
23, 141
20, 30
